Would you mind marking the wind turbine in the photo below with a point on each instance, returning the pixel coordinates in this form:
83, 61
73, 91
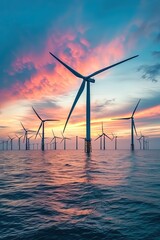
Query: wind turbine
64, 140
28, 139
42, 125
103, 135
115, 137
133, 128
55, 140
140, 144
11, 140
89, 80
25, 137
19, 141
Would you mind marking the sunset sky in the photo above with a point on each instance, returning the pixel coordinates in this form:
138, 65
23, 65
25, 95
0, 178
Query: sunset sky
87, 35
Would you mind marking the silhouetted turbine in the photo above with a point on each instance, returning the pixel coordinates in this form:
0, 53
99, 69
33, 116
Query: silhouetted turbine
19, 141
64, 140
103, 135
115, 138
11, 141
89, 80
133, 128
25, 136
55, 140
42, 125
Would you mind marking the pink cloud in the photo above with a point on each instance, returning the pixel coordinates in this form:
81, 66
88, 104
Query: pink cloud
59, 80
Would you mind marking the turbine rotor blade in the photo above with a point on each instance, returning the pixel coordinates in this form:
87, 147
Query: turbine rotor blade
23, 127
136, 107
53, 133
75, 101
102, 127
98, 137
121, 118
107, 136
36, 113
38, 130
134, 128
69, 68
49, 120
52, 139
106, 68
25, 136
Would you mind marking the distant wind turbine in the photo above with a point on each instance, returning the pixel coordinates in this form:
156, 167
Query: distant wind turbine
26, 137
42, 125
55, 140
103, 135
64, 140
89, 80
76, 142
19, 142
140, 144
29, 142
11, 141
115, 137
133, 128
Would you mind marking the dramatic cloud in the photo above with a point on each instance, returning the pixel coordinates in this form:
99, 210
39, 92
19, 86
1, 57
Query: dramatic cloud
151, 73
36, 76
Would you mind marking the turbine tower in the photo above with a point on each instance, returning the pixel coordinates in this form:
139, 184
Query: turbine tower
86, 79
28, 139
140, 144
133, 128
25, 137
55, 140
11, 140
19, 142
103, 135
115, 138
64, 140
42, 125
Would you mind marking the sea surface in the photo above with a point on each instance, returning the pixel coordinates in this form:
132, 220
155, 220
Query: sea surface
65, 195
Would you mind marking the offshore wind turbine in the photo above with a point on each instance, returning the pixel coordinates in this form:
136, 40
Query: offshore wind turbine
19, 142
28, 139
140, 144
55, 140
103, 135
25, 136
86, 79
133, 128
11, 141
42, 126
64, 140
115, 138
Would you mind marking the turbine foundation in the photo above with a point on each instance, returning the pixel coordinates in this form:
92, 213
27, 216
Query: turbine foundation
88, 146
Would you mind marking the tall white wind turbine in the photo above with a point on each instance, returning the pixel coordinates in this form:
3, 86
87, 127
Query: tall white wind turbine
26, 136
19, 141
64, 140
86, 79
103, 135
55, 140
42, 125
133, 127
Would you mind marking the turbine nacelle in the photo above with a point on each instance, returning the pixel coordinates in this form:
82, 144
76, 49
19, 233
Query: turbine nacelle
87, 79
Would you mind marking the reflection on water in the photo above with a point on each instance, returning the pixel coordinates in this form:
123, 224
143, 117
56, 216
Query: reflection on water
70, 195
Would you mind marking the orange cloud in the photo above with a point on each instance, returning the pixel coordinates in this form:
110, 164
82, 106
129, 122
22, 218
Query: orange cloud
59, 80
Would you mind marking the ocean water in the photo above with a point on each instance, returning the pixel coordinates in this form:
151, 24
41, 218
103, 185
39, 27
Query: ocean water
69, 195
